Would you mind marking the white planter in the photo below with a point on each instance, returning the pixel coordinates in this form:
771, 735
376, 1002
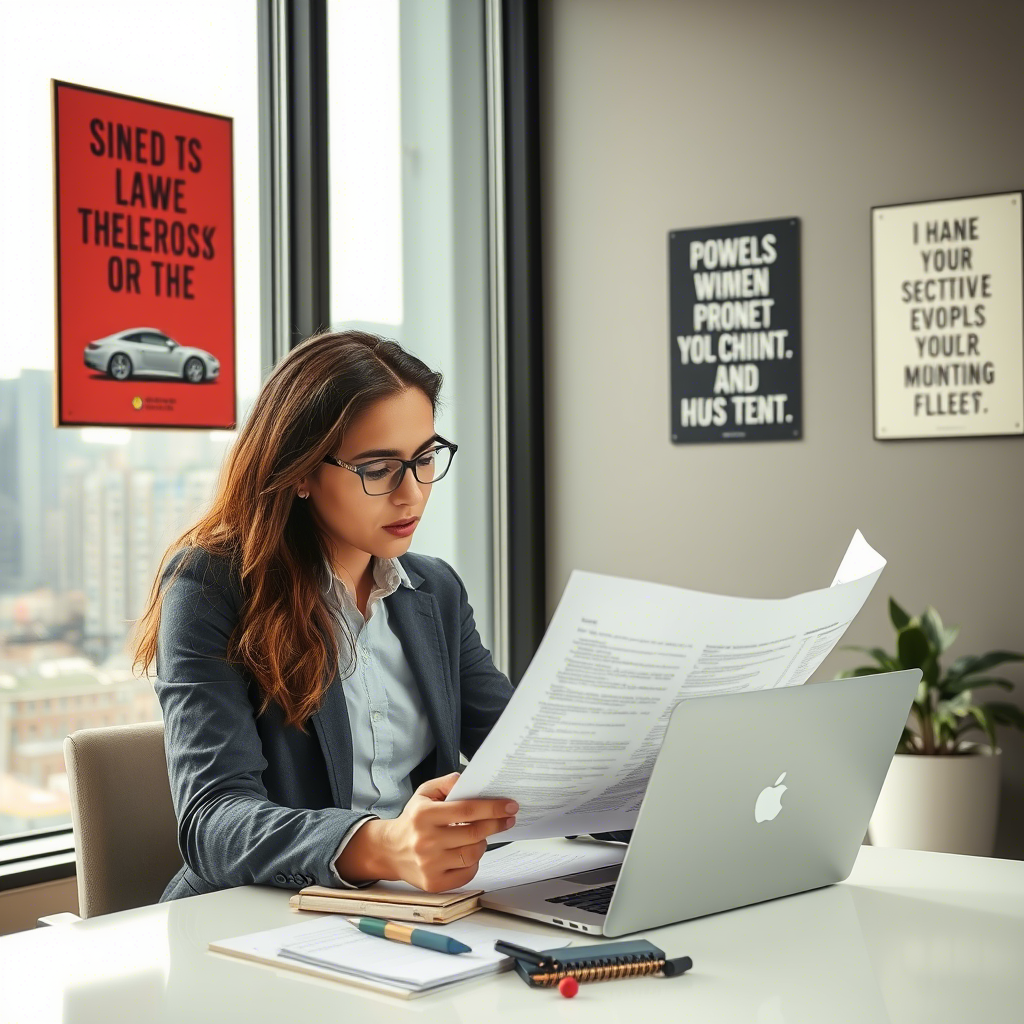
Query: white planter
948, 803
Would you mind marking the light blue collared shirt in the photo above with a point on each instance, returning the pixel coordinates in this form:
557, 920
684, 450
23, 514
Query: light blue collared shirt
391, 734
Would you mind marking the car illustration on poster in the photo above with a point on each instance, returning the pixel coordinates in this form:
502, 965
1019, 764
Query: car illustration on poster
147, 351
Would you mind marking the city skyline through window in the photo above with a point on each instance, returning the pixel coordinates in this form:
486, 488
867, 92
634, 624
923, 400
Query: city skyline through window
87, 513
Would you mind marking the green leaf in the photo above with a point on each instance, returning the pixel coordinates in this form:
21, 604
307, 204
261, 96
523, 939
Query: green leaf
912, 645
939, 636
949, 716
949, 634
986, 723
945, 726
951, 687
1005, 713
930, 669
884, 658
900, 619
971, 663
958, 705
931, 626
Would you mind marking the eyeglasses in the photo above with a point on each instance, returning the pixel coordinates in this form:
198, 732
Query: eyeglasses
382, 476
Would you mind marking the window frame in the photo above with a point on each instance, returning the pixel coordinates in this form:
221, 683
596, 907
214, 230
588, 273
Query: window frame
295, 300
48, 854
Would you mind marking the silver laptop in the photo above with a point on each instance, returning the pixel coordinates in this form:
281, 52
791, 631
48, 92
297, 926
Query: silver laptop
753, 796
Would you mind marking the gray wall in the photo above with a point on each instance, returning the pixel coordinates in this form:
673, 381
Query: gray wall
661, 115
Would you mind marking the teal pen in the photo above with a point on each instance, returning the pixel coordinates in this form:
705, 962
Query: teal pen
406, 933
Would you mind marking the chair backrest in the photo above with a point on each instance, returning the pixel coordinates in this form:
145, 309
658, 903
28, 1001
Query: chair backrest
126, 832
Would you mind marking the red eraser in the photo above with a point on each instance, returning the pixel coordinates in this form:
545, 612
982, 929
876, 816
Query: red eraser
569, 987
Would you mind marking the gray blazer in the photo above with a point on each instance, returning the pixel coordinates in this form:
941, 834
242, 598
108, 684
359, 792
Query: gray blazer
259, 802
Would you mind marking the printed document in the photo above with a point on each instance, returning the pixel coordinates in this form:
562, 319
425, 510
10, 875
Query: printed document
576, 744
519, 863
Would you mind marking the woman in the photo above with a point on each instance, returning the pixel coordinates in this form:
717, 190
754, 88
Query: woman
294, 601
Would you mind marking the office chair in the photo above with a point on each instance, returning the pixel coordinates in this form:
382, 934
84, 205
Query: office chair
126, 832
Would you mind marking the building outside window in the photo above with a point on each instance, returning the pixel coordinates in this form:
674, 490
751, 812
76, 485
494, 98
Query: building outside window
85, 514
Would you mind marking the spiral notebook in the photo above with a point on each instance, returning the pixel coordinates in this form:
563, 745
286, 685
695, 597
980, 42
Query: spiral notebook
598, 962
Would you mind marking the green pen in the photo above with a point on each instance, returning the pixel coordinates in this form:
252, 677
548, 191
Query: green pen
406, 933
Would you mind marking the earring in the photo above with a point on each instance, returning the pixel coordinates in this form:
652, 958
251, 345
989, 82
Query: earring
303, 494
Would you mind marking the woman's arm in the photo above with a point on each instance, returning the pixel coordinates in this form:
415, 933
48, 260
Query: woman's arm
363, 860
229, 833
484, 689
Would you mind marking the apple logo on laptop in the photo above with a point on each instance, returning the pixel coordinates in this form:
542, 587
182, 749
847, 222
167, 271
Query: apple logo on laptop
769, 801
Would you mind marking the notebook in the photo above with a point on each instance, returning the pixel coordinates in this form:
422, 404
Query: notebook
596, 962
377, 901
333, 947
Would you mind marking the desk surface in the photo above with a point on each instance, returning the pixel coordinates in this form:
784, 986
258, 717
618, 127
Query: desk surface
910, 936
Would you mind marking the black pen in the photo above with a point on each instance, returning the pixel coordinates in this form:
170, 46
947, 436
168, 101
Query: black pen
522, 953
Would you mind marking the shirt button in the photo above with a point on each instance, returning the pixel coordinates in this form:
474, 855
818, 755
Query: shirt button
377, 716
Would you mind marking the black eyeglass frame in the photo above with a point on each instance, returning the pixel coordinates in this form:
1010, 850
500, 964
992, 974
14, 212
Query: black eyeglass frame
406, 464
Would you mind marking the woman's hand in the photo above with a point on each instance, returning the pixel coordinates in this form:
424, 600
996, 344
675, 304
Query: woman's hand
433, 845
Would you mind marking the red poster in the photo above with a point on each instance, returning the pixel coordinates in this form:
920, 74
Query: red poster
145, 290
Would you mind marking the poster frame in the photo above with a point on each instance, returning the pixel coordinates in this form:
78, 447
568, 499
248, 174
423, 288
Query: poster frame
874, 327
58, 418
798, 434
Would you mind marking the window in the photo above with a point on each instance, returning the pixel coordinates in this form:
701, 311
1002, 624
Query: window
87, 513
407, 129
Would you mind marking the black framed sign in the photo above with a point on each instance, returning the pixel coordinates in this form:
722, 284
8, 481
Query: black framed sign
948, 317
734, 332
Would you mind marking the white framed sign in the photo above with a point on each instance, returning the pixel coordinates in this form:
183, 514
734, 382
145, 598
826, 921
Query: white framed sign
948, 317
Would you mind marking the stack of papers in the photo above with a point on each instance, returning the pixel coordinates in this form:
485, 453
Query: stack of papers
577, 741
334, 946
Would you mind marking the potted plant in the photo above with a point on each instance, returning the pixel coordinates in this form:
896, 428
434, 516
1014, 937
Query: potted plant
941, 791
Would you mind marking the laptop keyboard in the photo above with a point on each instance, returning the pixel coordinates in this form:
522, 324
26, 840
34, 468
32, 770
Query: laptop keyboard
595, 900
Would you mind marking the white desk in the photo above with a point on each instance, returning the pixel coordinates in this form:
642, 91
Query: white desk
910, 936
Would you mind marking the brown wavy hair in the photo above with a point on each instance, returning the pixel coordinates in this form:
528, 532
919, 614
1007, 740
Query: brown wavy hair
285, 635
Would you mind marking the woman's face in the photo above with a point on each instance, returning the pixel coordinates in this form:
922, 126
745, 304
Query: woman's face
397, 427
